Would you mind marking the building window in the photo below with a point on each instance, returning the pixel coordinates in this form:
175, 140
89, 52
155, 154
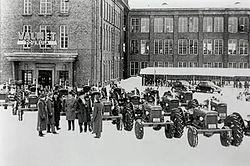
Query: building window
183, 24
158, 25
232, 44
144, 24
218, 65
169, 25
63, 77
135, 26
27, 76
218, 24
158, 46
243, 65
193, 47
207, 65
193, 24
144, 65
243, 47
207, 46
166, 64
182, 64
243, 24
134, 68
168, 46
45, 6
193, 64
182, 46
45, 29
218, 46
144, 47
64, 6
64, 39
207, 24
26, 29
232, 65
134, 47
232, 24
158, 64
27, 7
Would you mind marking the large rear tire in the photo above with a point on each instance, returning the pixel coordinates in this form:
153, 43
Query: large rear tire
237, 132
177, 119
139, 130
192, 135
225, 137
169, 131
119, 124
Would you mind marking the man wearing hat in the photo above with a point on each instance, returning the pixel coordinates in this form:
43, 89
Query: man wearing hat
70, 107
50, 114
41, 118
97, 116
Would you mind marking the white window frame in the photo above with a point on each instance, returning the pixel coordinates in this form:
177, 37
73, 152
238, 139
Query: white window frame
158, 25
233, 24
193, 50
47, 4
134, 68
64, 6
168, 46
26, 28
193, 24
218, 65
144, 64
207, 24
157, 44
182, 49
183, 24
168, 25
64, 37
145, 25
232, 45
243, 44
45, 28
144, 47
218, 46
27, 7
135, 25
218, 24
208, 43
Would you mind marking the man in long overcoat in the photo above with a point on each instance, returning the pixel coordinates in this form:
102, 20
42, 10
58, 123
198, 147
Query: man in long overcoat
70, 107
97, 116
57, 109
41, 118
50, 114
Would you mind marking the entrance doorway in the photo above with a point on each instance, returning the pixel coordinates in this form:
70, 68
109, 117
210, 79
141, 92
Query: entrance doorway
45, 78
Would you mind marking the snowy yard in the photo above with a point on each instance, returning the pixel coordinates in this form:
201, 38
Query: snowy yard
20, 145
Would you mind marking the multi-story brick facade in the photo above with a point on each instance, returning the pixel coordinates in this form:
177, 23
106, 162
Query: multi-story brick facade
181, 37
61, 40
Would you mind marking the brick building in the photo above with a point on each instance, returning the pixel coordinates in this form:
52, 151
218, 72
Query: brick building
188, 37
55, 41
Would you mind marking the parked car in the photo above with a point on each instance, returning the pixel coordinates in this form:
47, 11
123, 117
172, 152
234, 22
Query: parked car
182, 86
207, 86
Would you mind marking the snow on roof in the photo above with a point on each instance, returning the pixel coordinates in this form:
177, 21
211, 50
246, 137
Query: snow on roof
222, 72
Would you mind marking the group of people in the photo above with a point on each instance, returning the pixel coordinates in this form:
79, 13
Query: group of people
84, 108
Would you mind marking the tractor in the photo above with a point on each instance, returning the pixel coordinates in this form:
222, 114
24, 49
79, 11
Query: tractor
202, 120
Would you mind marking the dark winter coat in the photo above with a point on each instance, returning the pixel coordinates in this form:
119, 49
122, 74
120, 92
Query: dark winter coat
97, 117
42, 115
57, 109
50, 111
83, 113
70, 108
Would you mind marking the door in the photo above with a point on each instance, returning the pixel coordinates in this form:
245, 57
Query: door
45, 78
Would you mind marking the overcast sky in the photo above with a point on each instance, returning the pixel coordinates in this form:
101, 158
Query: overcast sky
189, 3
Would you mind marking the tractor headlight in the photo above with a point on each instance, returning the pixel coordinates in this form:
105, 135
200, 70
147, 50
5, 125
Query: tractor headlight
213, 108
128, 100
166, 104
182, 96
147, 113
201, 118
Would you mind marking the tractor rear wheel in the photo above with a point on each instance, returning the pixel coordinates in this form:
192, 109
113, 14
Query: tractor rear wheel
237, 132
139, 130
128, 121
169, 131
225, 137
177, 118
192, 136
240, 119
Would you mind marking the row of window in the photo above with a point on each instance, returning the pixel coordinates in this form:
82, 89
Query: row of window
190, 47
45, 7
64, 37
111, 39
190, 24
111, 14
136, 66
111, 69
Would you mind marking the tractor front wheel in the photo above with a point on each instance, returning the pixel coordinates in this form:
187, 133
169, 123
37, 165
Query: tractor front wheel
128, 121
169, 131
225, 137
119, 124
139, 130
177, 118
192, 136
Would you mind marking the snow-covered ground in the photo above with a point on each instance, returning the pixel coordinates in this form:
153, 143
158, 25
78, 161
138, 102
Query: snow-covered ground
20, 145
